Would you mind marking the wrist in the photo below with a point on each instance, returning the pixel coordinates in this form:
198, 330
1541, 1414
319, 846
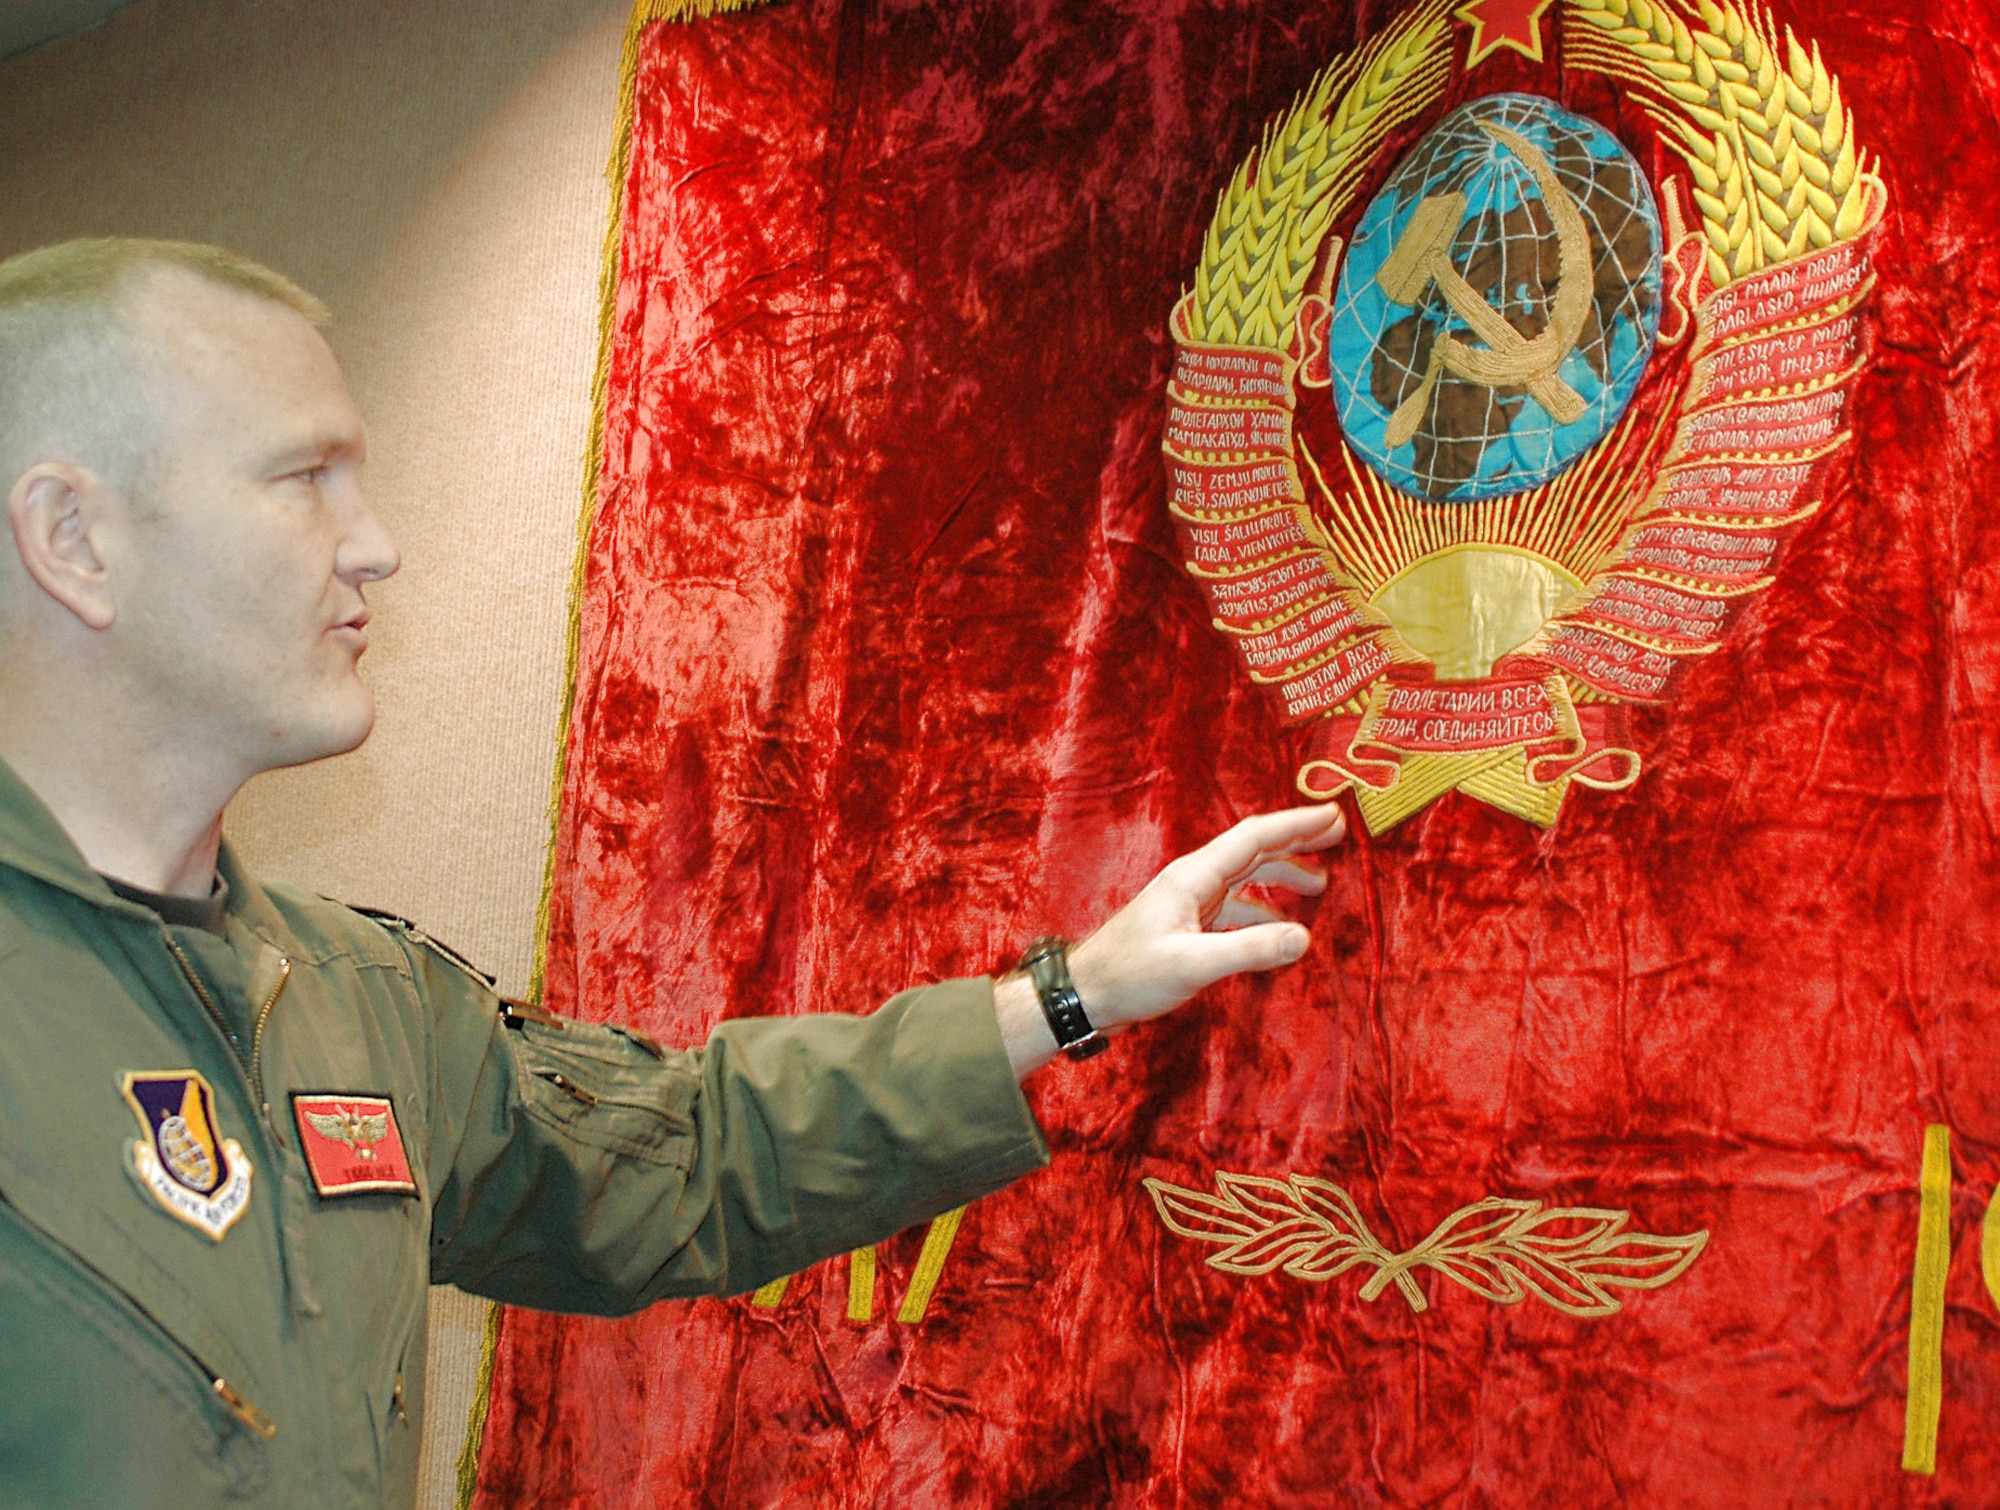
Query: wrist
1096, 985
1024, 1032
1046, 964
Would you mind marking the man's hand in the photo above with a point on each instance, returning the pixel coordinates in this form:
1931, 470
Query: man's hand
1188, 929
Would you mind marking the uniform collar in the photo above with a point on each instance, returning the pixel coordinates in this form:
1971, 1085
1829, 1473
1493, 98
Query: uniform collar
246, 896
35, 844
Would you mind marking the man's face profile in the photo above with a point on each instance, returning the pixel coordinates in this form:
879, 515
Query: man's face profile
246, 539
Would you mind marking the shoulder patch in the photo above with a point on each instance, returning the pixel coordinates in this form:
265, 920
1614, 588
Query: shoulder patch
352, 1144
417, 935
183, 1161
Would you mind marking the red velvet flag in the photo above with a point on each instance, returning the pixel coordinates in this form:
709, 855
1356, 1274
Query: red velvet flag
1577, 1165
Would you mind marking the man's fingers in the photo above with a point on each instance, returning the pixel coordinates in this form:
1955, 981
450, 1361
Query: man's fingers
1241, 912
1289, 875
1265, 946
1235, 854
1156, 951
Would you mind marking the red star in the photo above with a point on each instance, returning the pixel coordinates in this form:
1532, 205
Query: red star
1503, 23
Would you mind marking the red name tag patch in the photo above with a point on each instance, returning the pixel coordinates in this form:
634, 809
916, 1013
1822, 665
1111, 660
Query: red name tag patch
352, 1143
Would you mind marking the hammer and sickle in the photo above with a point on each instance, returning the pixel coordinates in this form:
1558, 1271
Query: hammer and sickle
1422, 256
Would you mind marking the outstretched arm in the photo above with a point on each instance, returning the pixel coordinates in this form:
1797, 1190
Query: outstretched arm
1186, 930
582, 1167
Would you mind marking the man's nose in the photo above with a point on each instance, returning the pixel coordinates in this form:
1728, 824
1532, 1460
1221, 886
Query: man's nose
367, 552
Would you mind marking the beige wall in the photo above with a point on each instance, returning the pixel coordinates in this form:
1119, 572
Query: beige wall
435, 170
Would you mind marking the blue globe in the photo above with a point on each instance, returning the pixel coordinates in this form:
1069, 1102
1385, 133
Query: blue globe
1497, 307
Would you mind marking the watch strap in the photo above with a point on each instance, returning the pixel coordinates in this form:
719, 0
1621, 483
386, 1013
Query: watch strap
1047, 967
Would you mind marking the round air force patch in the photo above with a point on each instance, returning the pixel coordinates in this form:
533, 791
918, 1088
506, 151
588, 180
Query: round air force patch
183, 1161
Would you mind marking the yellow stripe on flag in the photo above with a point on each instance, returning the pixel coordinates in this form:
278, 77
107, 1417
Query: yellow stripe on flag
1989, 1247
930, 1266
861, 1285
1920, 1419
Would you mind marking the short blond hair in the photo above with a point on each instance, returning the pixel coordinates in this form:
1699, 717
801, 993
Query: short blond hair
93, 274
70, 344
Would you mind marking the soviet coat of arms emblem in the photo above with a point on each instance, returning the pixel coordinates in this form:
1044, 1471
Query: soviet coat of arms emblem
1470, 465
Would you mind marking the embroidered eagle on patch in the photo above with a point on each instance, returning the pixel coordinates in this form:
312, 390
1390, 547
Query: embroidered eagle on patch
359, 1132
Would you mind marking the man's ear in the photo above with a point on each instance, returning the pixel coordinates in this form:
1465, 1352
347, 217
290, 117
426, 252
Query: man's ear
50, 510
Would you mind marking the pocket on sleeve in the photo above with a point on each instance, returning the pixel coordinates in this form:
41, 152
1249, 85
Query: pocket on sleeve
609, 1089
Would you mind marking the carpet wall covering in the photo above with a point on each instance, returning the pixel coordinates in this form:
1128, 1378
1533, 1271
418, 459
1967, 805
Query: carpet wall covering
889, 660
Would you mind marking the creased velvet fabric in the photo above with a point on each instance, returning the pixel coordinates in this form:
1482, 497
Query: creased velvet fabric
889, 663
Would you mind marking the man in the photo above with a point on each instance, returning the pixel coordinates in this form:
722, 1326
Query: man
243, 1128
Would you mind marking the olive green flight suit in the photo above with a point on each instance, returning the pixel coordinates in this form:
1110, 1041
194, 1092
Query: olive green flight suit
574, 1167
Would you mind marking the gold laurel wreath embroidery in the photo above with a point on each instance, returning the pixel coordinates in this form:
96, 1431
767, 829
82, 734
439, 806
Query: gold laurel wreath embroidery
1569, 1257
1768, 143
1271, 218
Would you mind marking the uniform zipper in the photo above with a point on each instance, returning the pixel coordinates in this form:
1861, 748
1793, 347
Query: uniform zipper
568, 1087
214, 1012
247, 1414
254, 1067
257, 1034
242, 1409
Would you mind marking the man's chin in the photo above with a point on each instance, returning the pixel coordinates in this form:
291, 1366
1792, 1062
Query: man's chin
333, 736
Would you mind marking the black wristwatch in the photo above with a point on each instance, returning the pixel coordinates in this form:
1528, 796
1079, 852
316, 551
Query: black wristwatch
1047, 965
